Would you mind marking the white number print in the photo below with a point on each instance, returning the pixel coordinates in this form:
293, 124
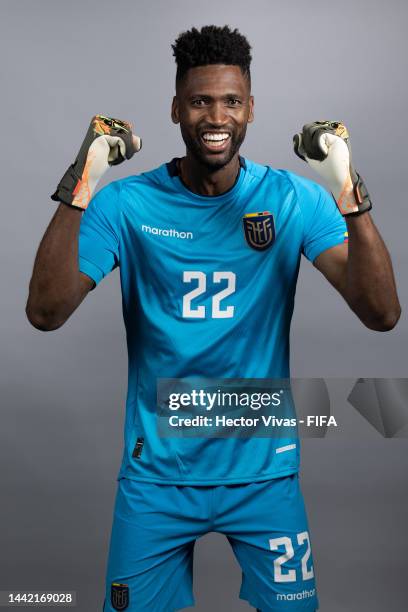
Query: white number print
301, 538
216, 311
290, 575
199, 312
289, 553
228, 313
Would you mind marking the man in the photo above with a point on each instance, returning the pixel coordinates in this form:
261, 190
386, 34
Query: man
209, 248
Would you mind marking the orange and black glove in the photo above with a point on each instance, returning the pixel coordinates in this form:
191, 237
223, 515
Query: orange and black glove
107, 142
325, 146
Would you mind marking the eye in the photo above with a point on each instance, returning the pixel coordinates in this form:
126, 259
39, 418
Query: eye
234, 102
198, 102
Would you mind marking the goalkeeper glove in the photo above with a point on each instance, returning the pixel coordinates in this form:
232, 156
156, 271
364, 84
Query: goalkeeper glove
107, 142
325, 146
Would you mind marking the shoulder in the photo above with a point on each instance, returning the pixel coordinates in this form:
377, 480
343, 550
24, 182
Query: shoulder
157, 177
301, 186
304, 187
112, 196
308, 194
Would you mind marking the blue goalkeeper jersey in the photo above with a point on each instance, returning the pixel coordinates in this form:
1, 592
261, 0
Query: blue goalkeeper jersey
208, 286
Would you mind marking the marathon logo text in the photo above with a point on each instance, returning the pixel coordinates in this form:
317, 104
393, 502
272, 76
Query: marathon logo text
296, 596
168, 233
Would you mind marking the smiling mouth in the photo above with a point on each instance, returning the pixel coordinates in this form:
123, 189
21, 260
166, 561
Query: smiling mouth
215, 141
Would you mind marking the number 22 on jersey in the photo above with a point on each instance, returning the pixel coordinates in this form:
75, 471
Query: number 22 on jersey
218, 310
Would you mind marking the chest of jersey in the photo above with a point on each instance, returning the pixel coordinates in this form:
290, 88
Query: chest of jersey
202, 261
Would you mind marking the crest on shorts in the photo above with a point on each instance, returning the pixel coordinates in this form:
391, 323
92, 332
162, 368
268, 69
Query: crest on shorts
119, 596
259, 230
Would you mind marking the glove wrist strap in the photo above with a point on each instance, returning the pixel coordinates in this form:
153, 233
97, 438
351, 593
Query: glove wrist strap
67, 186
361, 196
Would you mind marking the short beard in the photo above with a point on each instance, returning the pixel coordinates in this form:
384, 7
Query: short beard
194, 148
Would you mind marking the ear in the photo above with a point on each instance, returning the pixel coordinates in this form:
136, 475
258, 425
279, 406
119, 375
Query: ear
251, 109
175, 110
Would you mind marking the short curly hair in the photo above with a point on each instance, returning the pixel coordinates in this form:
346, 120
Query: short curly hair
211, 45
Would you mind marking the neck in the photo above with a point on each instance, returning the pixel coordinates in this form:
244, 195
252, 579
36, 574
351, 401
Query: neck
204, 181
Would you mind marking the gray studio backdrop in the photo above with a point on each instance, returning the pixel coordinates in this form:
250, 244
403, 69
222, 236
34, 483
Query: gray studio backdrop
62, 393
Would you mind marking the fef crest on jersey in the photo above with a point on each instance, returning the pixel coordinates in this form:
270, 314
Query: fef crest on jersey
259, 229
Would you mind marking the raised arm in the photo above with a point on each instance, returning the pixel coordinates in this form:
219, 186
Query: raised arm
57, 286
361, 270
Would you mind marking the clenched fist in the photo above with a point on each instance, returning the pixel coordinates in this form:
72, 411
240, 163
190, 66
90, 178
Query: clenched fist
108, 142
325, 146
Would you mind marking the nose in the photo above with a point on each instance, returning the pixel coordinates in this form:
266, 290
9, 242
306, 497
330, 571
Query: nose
216, 114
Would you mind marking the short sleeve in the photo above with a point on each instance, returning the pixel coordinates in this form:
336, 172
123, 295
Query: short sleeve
99, 234
324, 226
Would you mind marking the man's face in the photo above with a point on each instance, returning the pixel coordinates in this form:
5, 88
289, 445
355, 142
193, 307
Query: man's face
213, 106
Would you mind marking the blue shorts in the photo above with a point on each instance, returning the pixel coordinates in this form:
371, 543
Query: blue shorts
155, 528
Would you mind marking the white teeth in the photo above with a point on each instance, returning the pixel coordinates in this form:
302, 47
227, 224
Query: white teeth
215, 137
